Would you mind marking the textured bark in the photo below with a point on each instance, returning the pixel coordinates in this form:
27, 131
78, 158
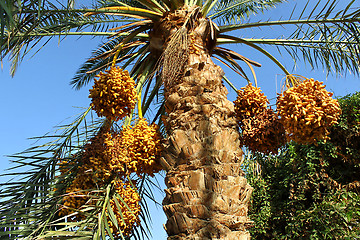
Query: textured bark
207, 195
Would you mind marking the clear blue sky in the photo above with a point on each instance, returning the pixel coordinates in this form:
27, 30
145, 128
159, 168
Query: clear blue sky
39, 97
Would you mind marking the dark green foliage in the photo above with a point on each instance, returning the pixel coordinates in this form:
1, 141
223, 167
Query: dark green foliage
310, 191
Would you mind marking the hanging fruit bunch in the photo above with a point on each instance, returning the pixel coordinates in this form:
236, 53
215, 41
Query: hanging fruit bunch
126, 208
113, 94
261, 129
249, 102
109, 154
111, 157
75, 195
307, 110
263, 132
137, 149
93, 171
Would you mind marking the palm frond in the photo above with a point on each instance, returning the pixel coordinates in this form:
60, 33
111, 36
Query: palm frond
230, 11
29, 25
207, 6
227, 39
153, 4
124, 3
7, 20
28, 204
333, 55
131, 48
132, 12
19, 38
328, 38
230, 62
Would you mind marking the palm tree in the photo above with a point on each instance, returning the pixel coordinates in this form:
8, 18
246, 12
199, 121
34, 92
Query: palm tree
168, 45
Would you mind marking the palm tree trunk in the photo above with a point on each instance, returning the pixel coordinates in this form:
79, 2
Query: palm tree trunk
207, 195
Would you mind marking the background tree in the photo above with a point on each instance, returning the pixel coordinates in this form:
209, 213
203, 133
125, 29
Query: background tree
187, 67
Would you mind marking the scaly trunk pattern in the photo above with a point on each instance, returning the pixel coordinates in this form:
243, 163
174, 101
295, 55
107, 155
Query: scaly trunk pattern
207, 195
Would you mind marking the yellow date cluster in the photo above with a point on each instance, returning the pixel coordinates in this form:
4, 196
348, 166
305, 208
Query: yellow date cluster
113, 155
307, 110
261, 129
110, 155
126, 209
193, 49
137, 149
113, 94
263, 132
93, 171
249, 102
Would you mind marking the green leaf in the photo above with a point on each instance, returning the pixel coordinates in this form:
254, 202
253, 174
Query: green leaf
238, 10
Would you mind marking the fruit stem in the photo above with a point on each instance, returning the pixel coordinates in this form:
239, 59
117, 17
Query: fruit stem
139, 105
116, 55
293, 80
230, 83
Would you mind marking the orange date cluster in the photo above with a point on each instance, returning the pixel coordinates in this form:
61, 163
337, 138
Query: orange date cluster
113, 94
307, 110
261, 129
137, 149
111, 157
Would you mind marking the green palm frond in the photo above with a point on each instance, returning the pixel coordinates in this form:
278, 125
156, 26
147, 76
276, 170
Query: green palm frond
326, 39
6, 8
332, 55
158, 6
102, 58
113, 3
228, 11
30, 25
30, 202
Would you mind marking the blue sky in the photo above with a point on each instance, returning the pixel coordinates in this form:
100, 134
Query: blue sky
39, 97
